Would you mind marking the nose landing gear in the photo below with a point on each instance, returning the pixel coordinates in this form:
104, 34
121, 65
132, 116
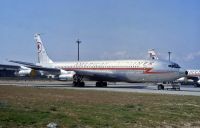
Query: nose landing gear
174, 86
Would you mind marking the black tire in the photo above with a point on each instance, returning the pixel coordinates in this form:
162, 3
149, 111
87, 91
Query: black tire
98, 84
160, 87
101, 84
163, 87
79, 84
104, 84
82, 84
196, 85
75, 84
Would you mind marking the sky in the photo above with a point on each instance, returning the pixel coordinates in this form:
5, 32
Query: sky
108, 29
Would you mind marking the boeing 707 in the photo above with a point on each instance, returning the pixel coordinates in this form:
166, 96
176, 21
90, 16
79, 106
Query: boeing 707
133, 71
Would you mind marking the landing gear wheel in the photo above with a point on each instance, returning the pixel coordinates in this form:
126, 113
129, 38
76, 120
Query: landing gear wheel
98, 84
78, 81
101, 84
196, 85
82, 84
74, 83
105, 84
161, 87
79, 84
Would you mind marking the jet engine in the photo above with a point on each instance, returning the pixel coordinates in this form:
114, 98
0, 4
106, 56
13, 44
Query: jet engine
24, 72
28, 72
66, 75
183, 79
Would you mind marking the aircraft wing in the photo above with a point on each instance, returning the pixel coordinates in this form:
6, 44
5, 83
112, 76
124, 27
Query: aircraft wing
97, 76
36, 67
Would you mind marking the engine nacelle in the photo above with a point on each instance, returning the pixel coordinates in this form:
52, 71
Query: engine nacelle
27, 72
24, 72
185, 80
66, 75
198, 81
182, 79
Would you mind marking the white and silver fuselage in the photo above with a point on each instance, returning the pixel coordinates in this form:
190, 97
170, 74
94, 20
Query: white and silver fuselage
113, 70
124, 70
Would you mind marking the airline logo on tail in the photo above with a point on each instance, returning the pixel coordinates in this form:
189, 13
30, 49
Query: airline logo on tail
39, 46
38, 41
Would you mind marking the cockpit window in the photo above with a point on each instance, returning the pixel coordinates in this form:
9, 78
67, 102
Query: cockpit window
174, 65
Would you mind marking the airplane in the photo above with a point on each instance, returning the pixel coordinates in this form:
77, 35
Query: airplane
132, 71
193, 77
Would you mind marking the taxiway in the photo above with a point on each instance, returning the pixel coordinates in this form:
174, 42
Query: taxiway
116, 87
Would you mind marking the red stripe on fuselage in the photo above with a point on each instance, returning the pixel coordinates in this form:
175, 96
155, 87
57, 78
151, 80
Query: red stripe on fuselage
106, 68
146, 70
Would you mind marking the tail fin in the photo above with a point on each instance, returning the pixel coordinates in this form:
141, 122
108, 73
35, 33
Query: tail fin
152, 54
42, 54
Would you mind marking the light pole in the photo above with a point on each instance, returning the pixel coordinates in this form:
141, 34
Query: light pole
169, 55
78, 42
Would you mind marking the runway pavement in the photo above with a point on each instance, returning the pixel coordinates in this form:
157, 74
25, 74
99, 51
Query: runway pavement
116, 87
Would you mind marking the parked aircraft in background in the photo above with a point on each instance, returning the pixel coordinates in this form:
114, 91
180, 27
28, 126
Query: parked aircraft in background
193, 77
153, 70
20, 70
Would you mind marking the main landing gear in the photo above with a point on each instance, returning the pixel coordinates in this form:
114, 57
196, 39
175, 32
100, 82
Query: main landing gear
79, 84
78, 81
161, 87
101, 84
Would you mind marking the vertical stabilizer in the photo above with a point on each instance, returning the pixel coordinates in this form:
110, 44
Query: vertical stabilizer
152, 54
42, 54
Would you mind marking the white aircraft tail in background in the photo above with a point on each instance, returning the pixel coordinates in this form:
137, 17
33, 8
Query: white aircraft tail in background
152, 54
